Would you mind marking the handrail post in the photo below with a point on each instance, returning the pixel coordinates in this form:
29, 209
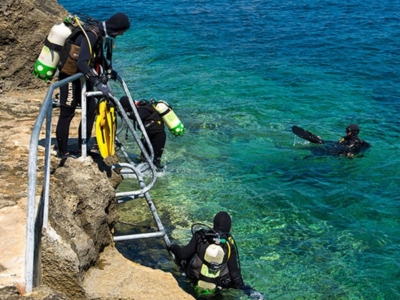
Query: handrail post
83, 119
46, 179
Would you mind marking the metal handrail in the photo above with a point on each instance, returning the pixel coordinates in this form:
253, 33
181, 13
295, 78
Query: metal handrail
33, 228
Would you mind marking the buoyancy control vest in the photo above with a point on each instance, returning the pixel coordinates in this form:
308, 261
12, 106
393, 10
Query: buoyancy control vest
210, 262
351, 145
153, 121
68, 63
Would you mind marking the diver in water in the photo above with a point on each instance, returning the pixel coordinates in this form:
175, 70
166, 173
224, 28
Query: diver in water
351, 144
211, 259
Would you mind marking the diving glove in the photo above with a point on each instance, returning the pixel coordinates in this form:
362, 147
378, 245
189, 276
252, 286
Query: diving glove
104, 89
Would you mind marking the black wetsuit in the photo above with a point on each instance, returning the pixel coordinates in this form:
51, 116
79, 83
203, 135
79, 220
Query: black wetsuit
194, 252
71, 95
154, 126
351, 145
89, 58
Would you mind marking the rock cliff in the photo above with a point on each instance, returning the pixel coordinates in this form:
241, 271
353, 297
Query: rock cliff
24, 24
79, 259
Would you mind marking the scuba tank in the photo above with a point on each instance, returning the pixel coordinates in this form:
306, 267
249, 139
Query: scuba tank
46, 64
211, 267
169, 117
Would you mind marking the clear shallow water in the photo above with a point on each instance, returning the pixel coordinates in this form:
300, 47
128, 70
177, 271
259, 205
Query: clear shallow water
239, 75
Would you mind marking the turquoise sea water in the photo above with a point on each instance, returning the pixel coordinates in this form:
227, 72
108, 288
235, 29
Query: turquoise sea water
239, 74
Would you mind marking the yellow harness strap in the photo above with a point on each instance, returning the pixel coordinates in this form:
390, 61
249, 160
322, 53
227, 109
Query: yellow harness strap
87, 38
230, 240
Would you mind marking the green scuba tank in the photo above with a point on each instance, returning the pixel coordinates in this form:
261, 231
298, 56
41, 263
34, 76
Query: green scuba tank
211, 267
169, 117
46, 64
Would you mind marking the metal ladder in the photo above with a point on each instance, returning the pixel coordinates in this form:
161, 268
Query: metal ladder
131, 170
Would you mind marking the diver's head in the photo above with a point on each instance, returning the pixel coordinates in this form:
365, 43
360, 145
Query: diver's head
222, 222
117, 24
124, 101
353, 129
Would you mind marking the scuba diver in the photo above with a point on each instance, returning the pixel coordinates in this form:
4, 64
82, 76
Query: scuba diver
153, 124
349, 145
211, 259
85, 55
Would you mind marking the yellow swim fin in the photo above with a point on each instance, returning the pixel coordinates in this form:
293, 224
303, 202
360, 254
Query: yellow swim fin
102, 129
112, 127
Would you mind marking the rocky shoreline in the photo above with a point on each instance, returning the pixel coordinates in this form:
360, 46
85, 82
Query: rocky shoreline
70, 271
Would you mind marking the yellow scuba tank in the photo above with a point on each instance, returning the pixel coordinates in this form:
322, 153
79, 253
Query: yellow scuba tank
46, 64
211, 267
169, 117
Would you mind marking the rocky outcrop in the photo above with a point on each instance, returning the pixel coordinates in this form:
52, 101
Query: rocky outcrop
24, 24
81, 215
22, 111
79, 258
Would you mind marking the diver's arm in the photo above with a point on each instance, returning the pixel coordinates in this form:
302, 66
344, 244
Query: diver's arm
237, 279
185, 252
234, 271
85, 56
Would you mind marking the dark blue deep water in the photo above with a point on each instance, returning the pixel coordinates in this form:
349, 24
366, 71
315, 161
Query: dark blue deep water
239, 74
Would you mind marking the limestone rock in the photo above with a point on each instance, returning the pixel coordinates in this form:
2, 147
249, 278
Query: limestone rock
81, 213
24, 24
79, 258
129, 280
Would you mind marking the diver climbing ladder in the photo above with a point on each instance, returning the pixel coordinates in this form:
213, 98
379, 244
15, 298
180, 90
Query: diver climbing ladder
130, 170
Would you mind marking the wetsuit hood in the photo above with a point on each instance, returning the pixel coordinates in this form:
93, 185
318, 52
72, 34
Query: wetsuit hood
116, 23
125, 103
353, 128
222, 222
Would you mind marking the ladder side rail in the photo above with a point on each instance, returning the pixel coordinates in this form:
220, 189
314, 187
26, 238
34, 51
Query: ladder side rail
149, 158
157, 218
161, 230
144, 189
122, 149
83, 119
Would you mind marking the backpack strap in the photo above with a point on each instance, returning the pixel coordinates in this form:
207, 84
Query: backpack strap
52, 46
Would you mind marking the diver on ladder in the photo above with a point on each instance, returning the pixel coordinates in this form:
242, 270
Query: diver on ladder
153, 124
